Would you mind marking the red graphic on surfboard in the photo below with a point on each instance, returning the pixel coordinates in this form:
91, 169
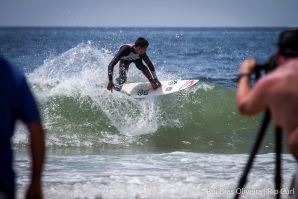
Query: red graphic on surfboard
187, 84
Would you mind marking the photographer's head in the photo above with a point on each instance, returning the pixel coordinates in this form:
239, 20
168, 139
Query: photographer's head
287, 45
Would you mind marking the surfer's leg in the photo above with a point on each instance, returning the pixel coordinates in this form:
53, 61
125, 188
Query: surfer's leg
123, 69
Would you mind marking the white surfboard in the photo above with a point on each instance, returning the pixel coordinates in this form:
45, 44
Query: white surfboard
144, 89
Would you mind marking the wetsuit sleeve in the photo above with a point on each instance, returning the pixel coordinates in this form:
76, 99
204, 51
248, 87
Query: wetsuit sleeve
123, 51
149, 64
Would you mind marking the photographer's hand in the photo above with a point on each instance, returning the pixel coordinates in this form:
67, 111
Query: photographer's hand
249, 102
248, 66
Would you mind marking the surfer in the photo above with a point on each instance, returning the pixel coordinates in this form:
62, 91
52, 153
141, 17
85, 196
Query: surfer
277, 91
127, 54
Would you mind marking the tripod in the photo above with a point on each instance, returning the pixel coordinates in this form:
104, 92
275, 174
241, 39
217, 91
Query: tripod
258, 140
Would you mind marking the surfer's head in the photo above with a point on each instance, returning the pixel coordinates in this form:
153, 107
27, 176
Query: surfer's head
288, 43
142, 42
141, 45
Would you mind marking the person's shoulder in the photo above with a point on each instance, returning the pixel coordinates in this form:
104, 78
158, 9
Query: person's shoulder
125, 48
292, 62
6, 66
278, 78
288, 69
270, 78
9, 69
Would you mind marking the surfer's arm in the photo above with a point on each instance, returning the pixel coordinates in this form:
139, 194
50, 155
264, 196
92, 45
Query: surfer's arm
111, 68
149, 64
152, 69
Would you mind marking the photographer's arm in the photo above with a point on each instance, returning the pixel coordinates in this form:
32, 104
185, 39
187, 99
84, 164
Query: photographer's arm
250, 100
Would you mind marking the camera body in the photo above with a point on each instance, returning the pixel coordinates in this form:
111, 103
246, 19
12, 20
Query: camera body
268, 66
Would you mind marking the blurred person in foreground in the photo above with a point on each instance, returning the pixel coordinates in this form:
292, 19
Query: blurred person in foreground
18, 103
277, 91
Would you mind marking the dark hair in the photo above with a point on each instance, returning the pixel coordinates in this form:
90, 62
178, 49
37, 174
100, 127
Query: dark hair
288, 42
141, 42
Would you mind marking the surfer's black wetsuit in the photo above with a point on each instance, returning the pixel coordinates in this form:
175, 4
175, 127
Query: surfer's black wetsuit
126, 55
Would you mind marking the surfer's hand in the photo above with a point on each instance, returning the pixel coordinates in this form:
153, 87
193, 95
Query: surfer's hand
110, 86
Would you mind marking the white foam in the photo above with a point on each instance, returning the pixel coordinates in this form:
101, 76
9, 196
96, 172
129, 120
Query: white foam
170, 175
77, 74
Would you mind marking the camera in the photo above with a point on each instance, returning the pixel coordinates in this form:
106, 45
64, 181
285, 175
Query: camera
268, 66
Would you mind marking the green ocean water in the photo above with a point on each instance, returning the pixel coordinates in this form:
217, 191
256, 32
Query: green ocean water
201, 119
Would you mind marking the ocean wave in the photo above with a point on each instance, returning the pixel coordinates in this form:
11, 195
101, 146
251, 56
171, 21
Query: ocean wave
79, 111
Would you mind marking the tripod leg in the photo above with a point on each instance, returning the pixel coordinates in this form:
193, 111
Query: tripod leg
278, 141
254, 151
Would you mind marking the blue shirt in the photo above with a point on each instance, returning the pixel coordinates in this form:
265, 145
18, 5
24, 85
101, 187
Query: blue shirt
16, 102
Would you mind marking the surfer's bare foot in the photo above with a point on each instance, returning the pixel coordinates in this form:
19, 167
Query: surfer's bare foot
154, 85
157, 82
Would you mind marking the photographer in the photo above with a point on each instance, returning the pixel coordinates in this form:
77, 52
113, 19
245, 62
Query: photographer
277, 90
